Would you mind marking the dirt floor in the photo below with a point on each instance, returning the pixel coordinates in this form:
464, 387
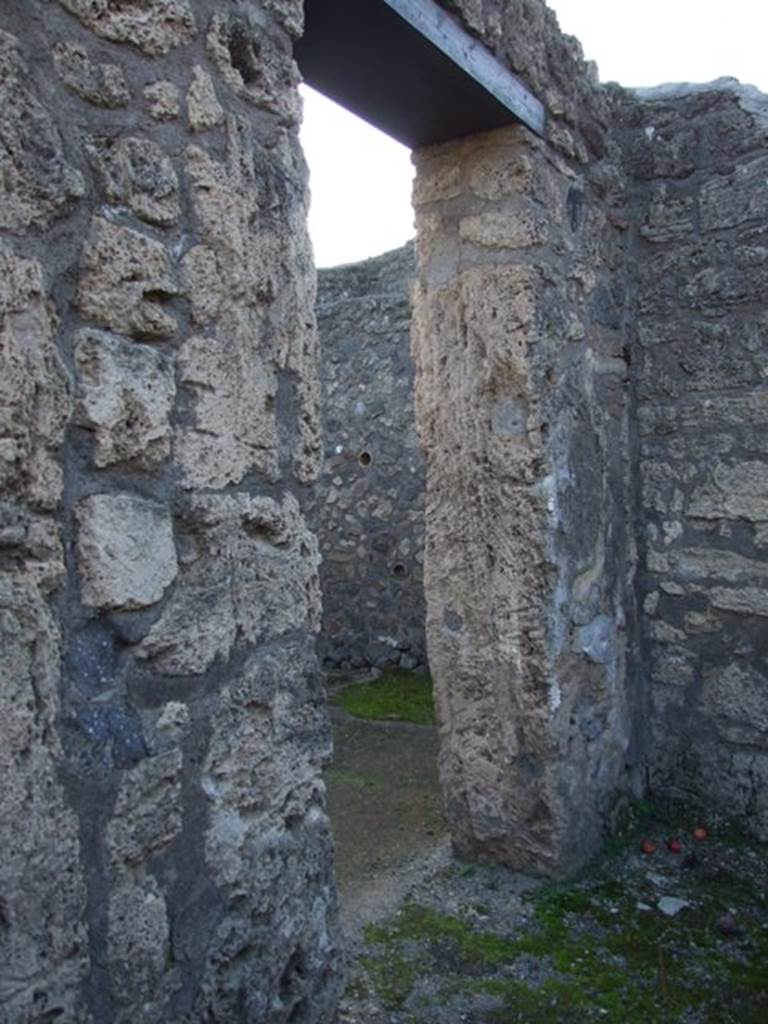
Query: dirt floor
385, 807
643, 935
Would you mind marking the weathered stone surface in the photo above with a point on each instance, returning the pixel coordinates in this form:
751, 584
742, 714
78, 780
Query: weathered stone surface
235, 430
368, 506
110, 908
125, 548
147, 817
34, 387
163, 100
502, 231
203, 109
138, 173
255, 63
702, 416
127, 277
147, 812
209, 892
480, 722
37, 183
738, 491
43, 944
266, 808
139, 949
728, 202
249, 575
154, 26
101, 84
236, 277
125, 395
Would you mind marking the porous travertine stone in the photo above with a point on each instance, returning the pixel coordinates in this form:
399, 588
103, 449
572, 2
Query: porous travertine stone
262, 330
138, 173
368, 508
43, 943
203, 109
37, 183
126, 277
125, 394
235, 430
266, 803
524, 419
163, 100
101, 84
249, 572
147, 817
125, 551
148, 527
256, 63
35, 397
154, 26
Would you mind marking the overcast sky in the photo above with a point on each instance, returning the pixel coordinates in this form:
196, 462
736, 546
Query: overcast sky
361, 180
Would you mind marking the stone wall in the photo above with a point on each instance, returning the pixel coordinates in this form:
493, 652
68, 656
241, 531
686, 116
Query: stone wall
166, 853
699, 160
589, 338
523, 408
369, 504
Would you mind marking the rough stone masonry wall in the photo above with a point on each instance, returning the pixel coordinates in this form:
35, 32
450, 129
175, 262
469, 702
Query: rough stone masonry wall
165, 849
701, 170
369, 500
522, 404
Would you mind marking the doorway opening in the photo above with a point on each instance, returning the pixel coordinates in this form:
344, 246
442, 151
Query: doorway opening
368, 512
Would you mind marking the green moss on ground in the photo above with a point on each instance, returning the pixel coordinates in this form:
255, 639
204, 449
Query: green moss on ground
602, 948
395, 696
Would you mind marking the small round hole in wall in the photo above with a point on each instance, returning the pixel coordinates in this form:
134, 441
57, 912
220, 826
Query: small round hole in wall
399, 570
365, 459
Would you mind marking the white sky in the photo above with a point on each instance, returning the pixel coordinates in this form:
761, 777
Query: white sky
361, 180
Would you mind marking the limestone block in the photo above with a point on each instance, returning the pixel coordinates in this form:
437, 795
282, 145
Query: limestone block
125, 394
251, 275
736, 698
138, 950
735, 491
227, 200
203, 109
203, 283
37, 184
139, 174
103, 85
154, 26
670, 216
439, 177
125, 548
746, 600
515, 229
163, 100
267, 841
256, 64
43, 943
730, 200
714, 563
249, 574
235, 430
147, 812
126, 278
34, 387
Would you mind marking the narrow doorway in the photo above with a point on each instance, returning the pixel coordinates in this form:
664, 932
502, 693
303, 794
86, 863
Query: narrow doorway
368, 512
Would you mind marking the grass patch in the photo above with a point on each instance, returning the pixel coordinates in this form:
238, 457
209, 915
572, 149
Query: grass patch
590, 952
397, 696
